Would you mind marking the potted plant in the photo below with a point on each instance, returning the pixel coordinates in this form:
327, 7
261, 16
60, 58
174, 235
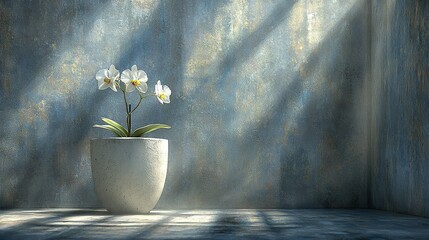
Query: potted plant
129, 170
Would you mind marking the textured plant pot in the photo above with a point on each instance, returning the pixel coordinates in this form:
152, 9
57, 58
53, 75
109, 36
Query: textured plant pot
129, 173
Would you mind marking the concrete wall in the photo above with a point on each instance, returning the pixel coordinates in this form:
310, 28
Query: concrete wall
268, 107
400, 106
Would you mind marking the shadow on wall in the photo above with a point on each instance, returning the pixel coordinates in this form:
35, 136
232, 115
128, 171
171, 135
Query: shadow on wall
308, 149
323, 158
42, 138
30, 42
204, 164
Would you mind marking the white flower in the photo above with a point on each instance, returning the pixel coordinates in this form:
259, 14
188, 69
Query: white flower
134, 78
162, 93
107, 78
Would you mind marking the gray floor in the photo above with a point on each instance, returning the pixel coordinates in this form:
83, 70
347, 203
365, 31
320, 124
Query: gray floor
211, 224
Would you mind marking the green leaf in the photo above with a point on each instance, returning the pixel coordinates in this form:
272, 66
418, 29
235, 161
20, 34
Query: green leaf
116, 125
147, 129
114, 130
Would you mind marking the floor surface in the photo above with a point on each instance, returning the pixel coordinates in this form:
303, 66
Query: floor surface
211, 224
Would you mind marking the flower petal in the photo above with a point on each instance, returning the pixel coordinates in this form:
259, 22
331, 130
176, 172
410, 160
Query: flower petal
115, 75
126, 76
158, 88
142, 87
112, 68
134, 68
166, 90
141, 75
113, 86
100, 81
103, 86
113, 72
159, 99
130, 88
101, 74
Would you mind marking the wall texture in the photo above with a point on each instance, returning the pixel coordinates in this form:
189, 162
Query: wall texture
400, 112
268, 107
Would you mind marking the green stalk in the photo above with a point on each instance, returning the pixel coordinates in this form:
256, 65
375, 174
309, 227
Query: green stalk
127, 108
138, 104
129, 119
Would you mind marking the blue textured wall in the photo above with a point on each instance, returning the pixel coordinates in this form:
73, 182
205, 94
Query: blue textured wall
400, 112
268, 107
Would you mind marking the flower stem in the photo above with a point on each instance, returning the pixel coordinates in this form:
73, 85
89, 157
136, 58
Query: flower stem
138, 104
128, 109
129, 120
141, 98
125, 99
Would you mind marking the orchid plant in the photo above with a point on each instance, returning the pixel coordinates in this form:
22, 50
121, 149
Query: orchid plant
129, 81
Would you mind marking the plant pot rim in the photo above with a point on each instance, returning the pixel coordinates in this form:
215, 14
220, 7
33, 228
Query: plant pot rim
130, 138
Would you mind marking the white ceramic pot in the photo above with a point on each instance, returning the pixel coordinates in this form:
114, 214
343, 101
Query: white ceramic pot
129, 173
